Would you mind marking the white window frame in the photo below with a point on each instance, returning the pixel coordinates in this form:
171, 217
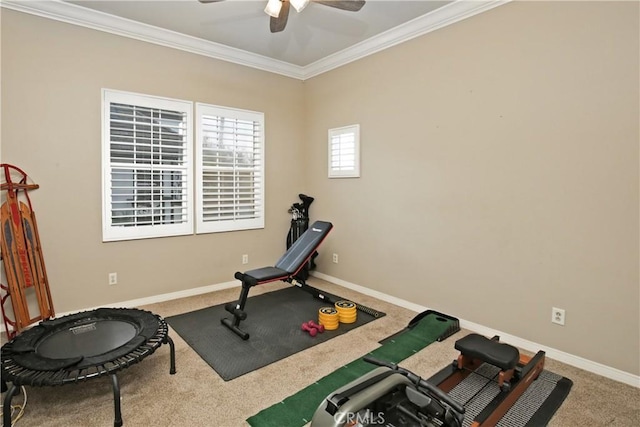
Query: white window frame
111, 232
342, 139
235, 223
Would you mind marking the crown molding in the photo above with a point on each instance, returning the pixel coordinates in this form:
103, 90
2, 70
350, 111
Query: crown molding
72, 14
96, 20
446, 15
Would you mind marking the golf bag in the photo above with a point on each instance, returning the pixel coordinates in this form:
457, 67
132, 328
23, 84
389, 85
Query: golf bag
299, 224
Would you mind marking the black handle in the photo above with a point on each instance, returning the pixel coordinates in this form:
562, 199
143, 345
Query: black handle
379, 362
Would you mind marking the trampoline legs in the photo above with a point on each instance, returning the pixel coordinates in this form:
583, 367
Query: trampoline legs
116, 387
116, 401
13, 390
172, 352
6, 409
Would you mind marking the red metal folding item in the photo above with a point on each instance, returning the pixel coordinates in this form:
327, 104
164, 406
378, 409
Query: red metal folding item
22, 254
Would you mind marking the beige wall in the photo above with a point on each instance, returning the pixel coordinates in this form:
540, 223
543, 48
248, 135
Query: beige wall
52, 75
499, 173
499, 168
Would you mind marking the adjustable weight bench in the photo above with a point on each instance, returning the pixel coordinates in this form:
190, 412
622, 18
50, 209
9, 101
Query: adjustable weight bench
286, 269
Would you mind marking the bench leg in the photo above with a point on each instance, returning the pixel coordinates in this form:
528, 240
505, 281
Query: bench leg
237, 310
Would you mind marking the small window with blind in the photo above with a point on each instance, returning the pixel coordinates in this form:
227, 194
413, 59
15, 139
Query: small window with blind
147, 169
229, 169
344, 152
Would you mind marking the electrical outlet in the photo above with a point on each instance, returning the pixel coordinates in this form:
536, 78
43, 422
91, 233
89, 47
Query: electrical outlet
245, 259
113, 278
557, 316
335, 258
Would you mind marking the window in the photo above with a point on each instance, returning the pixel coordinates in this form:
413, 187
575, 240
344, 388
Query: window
344, 152
148, 167
230, 169
147, 184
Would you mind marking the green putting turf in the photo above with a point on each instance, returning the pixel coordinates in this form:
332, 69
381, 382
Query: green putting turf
297, 409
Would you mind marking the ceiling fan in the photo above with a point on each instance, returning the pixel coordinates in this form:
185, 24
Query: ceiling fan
279, 9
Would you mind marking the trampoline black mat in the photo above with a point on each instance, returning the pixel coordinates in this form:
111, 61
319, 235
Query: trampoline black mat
274, 323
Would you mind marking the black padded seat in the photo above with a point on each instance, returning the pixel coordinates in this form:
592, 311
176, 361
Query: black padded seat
267, 274
502, 355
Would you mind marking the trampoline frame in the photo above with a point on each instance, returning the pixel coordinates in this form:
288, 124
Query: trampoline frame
15, 371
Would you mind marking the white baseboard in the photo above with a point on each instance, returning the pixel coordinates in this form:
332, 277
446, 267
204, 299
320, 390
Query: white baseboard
561, 356
154, 299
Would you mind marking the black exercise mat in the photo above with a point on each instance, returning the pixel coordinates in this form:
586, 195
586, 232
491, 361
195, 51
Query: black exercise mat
534, 408
273, 322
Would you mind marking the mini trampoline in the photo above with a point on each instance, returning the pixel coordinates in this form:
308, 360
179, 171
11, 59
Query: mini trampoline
82, 346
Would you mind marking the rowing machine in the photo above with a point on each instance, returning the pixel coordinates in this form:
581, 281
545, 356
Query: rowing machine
391, 395
388, 395
516, 372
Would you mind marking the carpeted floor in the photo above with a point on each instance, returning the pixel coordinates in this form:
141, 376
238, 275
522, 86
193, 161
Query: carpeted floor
197, 397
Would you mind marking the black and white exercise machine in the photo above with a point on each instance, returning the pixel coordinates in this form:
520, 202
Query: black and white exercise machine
286, 269
391, 395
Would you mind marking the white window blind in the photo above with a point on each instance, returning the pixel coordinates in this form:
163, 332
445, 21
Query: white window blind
147, 166
230, 169
344, 152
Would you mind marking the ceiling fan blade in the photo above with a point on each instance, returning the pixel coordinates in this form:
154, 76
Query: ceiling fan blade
209, 1
277, 24
350, 5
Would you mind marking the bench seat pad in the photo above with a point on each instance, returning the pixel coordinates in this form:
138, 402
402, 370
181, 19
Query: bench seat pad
495, 353
267, 274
